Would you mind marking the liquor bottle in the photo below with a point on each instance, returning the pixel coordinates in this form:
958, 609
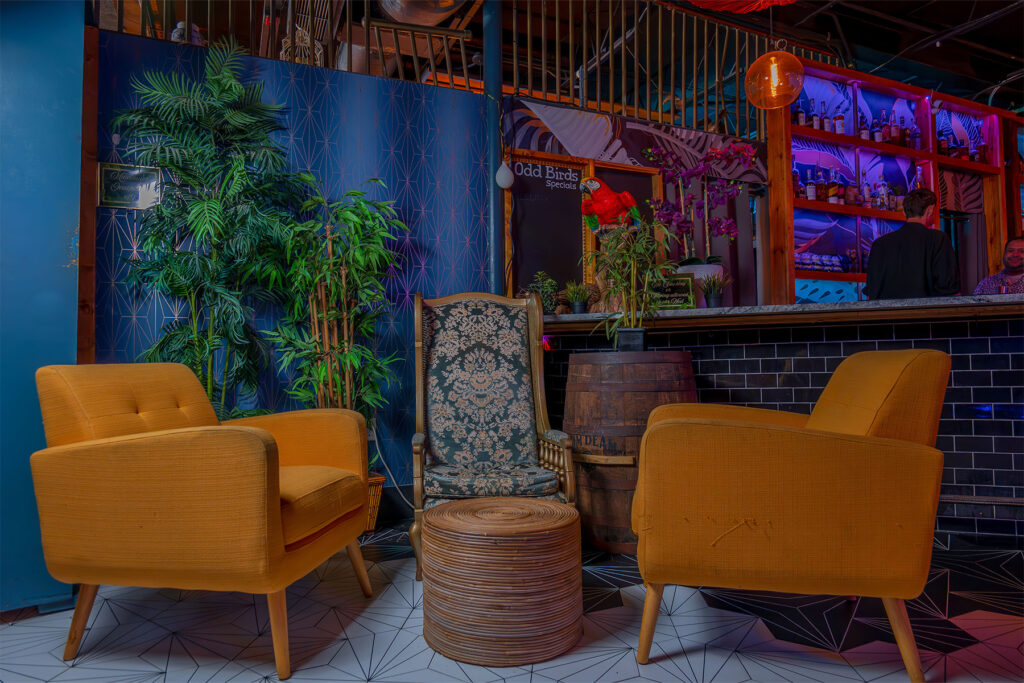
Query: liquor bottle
943, 146
822, 190
884, 119
983, 152
801, 115
874, 196
876, 130
915, 136
815, 121
840, 188
810, 189
890, 198
865, 189
798, 190
904, 134
826, 120
833, 188
839, 122
894, 129
851, 193
862, 127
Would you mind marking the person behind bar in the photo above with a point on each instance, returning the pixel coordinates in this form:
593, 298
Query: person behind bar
1010, 280
913, 261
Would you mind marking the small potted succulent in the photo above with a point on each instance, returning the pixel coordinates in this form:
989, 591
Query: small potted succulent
713, 285
577, 294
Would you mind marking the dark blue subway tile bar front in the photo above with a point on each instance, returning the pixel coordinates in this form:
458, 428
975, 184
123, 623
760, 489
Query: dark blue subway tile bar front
981, 431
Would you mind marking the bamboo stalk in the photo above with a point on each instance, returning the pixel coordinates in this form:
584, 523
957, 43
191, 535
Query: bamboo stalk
346, 338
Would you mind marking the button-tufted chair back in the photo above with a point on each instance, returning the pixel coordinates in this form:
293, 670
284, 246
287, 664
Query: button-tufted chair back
83, 402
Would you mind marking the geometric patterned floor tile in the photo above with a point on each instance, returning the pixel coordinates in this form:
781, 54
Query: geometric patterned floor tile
968, 624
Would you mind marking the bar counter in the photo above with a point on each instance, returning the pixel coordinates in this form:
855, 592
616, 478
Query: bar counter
781, 357
935, 308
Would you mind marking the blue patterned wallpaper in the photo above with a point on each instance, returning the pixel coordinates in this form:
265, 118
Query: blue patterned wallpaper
426, 143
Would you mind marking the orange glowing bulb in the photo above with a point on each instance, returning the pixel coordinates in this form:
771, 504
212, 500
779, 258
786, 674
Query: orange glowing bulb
774, 80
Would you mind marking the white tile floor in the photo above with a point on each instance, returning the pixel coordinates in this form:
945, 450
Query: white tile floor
336, 634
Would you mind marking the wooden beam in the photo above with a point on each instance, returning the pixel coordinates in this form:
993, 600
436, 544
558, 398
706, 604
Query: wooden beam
87, 200
779, 249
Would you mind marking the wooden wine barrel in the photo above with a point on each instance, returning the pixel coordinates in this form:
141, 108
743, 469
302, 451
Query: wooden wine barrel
608, 398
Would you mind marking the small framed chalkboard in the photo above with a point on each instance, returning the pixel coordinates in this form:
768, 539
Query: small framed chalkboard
128, 187
678, 291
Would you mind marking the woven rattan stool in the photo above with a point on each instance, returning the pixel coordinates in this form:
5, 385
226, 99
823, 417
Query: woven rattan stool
502, 580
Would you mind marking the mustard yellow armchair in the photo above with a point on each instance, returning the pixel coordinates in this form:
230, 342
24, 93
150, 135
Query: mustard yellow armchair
141, 485
839, 502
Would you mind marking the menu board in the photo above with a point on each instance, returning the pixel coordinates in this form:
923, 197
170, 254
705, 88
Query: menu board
545, 225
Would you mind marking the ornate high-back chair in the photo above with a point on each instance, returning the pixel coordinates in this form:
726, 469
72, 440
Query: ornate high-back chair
481, 419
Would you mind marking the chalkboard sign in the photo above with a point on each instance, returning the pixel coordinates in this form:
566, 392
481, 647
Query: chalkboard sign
128, 187
545, 224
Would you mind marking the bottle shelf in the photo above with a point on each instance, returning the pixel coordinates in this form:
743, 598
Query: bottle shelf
854, 141
966, 165
848, 210
829, 275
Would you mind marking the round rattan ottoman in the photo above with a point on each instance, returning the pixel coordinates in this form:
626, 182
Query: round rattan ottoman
502, 580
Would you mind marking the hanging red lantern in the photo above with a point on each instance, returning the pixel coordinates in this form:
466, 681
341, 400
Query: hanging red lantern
774, 80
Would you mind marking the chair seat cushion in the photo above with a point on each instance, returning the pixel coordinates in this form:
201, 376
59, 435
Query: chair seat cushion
448, 481
313, 496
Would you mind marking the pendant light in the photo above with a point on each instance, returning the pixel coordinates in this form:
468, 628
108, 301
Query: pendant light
776, 78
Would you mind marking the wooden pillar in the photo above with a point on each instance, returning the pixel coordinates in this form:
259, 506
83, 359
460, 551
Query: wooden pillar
777, 256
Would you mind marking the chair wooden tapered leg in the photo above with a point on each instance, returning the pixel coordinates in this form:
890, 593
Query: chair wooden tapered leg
417, 543
355, 556
83, 606
897, 611
278, 609
652, 602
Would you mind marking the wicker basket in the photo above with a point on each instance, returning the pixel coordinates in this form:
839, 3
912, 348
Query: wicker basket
376, 482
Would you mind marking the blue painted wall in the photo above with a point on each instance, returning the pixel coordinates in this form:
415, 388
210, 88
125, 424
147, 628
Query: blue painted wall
40, 155
426, 143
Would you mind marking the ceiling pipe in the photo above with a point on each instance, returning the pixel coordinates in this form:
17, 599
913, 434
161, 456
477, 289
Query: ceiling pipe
950, 33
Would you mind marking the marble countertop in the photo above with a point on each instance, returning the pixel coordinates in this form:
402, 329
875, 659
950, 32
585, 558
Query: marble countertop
959, 306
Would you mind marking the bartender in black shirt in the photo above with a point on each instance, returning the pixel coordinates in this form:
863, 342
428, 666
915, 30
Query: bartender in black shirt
913, 261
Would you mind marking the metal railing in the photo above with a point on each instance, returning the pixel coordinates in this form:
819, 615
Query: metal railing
639, 58
333, 34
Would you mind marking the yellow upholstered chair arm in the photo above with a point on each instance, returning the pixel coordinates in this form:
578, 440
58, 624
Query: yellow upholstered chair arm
192, 507
712, 411
324, 436
778, 508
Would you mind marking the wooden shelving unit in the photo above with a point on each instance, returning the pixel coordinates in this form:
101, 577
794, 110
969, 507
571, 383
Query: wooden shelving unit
780, 262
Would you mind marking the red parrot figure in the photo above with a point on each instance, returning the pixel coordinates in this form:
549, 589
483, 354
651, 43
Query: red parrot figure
606, 206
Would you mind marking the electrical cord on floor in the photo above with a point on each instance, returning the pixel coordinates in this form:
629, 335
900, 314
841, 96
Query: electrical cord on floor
380, 457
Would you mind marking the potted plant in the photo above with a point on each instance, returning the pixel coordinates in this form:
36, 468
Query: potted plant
336, 264
713, 285
630, 266
577, 294
697, 196
547, 287
226, 193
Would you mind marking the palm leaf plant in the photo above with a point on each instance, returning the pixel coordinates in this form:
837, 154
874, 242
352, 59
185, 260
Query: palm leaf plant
226, 199
337, 264
631, 265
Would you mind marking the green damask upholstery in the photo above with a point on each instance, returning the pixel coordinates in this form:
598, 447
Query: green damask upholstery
479, 399
447, 481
